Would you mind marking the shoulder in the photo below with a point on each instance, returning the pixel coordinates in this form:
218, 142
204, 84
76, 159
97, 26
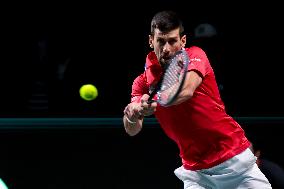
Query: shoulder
140, 77
195, 51
151, 59
197, 54
140, 81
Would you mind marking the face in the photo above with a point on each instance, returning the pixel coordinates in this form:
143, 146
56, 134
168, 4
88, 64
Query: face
166, 44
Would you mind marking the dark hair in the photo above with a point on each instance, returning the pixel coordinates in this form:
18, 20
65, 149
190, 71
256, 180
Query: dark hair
166, 21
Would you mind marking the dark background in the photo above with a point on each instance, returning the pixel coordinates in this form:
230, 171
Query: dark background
106, 157
105, 44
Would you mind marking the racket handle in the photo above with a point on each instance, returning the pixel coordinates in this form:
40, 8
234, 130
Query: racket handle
150, 101
152, 94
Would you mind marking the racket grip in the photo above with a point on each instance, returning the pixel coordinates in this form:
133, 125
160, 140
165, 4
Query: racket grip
152, 94
150, 101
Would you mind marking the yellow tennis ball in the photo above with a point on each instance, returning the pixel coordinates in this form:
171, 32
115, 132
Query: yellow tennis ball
88, 92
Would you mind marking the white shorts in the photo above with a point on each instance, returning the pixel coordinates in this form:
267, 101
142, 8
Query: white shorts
239, 172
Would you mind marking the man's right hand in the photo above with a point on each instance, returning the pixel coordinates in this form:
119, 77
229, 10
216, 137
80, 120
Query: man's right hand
147, 109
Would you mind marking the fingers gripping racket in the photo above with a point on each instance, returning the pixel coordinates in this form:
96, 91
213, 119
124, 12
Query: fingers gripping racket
172, 80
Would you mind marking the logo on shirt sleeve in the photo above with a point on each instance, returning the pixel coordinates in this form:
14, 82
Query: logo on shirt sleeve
195, 59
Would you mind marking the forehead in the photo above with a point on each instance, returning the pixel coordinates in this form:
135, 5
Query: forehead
172, 34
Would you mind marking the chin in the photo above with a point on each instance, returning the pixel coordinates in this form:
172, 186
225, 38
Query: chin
164, 63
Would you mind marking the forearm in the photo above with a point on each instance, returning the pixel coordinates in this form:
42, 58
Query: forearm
182, 97
192, 81
132, 128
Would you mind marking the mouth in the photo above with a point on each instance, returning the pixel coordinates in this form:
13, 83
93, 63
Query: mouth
167, 58
165, 61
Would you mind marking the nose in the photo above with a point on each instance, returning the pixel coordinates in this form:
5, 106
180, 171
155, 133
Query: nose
166, 48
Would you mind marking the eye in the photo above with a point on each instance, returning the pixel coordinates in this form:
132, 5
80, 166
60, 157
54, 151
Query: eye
161, 41
172, 41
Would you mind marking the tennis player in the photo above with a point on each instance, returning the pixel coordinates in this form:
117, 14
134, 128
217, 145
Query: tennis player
213, 147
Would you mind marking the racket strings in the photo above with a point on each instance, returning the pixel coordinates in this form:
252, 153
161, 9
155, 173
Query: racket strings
172, 78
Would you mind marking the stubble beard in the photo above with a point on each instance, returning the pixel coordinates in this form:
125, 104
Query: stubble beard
164, 63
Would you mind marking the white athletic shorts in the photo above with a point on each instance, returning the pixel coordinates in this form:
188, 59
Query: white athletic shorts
239, 172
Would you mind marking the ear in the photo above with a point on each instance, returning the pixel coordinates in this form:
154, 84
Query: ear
151, 41
183, 41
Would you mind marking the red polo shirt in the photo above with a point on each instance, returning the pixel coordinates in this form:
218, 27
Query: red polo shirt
205, 134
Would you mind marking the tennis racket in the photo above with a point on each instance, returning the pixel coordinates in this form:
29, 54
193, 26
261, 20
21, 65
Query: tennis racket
172, 80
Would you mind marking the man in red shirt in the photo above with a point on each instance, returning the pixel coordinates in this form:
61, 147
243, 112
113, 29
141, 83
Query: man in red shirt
213, 146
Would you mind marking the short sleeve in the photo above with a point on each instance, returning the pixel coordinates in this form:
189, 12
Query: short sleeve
198, 61
139, 88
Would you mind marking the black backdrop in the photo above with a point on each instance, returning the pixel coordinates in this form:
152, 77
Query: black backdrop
106, 45
105, 156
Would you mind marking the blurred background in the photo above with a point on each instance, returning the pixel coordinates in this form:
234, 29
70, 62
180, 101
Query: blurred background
49, 50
